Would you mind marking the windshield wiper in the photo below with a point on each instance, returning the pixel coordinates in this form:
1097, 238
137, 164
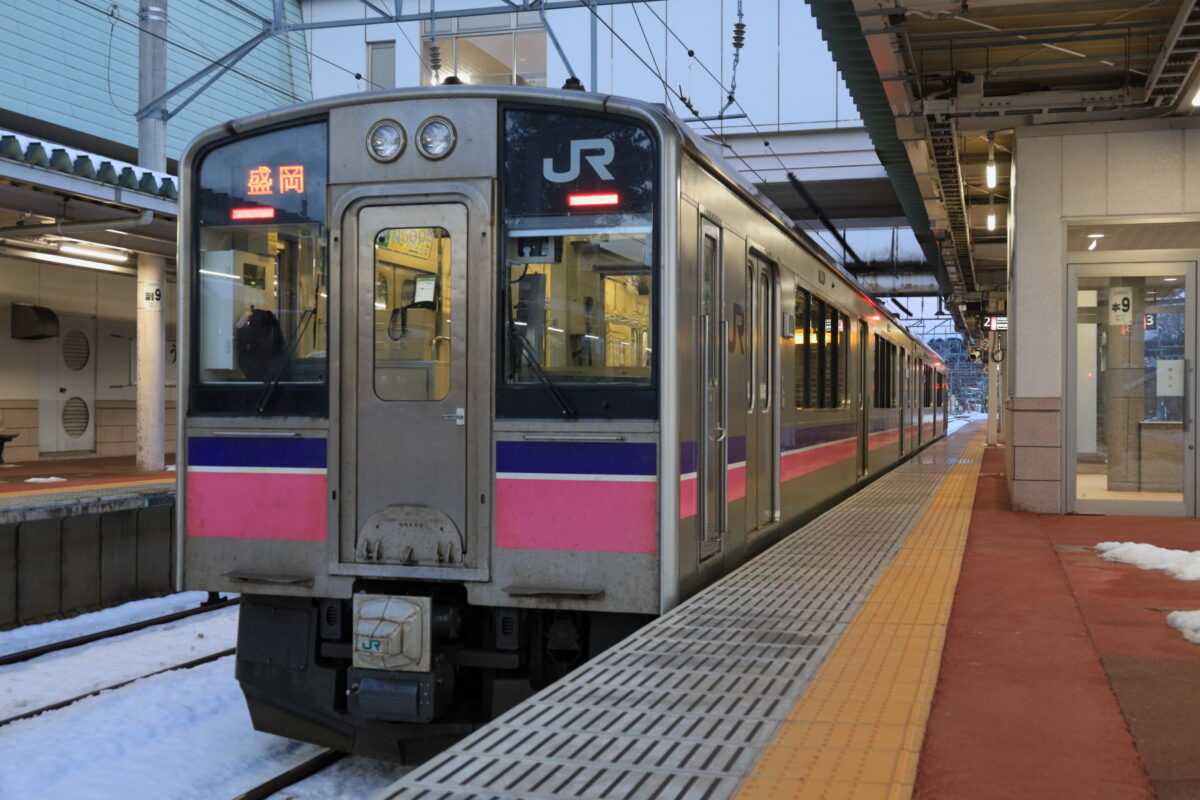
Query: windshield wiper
525, 349
271, 383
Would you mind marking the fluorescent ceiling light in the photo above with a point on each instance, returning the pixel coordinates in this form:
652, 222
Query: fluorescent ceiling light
991, 162
1095, 235
1196, 99
116, 256
1092, 246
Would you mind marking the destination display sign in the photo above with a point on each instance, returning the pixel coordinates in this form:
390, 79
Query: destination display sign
278, 177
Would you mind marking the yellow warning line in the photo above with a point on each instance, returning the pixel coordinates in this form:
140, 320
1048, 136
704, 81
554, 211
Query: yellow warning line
857, 731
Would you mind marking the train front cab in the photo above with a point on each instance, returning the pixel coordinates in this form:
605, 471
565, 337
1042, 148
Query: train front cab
420, 425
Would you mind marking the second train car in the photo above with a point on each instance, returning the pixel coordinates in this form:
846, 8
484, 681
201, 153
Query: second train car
480, 379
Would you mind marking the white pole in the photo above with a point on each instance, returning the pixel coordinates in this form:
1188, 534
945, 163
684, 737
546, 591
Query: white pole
151, 270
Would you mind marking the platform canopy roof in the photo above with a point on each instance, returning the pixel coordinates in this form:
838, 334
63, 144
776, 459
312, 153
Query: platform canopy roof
940, 87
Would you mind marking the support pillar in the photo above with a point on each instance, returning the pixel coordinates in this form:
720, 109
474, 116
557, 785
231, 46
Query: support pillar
151, 328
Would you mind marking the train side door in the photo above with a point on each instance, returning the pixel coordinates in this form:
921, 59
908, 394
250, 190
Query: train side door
409, 387
864, 404
762, 456
713, 435
903, 397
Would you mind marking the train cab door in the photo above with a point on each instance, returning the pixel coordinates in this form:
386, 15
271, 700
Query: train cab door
713, 438
407, 389
864, 403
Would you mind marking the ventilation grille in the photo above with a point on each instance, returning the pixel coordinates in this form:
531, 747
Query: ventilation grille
75, 417
76, 351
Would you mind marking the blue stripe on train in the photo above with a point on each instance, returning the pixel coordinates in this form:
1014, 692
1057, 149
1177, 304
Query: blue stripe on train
577, 458
737, 449
256, 451
687, 457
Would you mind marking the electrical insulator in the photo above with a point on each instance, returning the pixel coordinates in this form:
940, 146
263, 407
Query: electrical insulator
435, 58
739, 34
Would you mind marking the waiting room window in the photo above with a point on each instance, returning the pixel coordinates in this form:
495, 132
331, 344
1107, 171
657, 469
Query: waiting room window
505, 49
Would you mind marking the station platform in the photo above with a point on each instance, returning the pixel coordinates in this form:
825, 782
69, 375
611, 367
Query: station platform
920, 639
100, 536
79, 485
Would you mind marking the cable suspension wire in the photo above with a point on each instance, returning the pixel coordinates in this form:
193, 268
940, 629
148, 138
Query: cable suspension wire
732, 98
224, 7
739, 40
202, 56
820, 235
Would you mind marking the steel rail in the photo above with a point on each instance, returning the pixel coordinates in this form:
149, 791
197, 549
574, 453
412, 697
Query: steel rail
66, 644
63, 703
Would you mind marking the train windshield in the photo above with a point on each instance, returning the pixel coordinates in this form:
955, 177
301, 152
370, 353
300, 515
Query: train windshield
260, 300
578, 266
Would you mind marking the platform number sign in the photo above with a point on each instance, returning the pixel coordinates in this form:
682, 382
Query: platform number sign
1120, 305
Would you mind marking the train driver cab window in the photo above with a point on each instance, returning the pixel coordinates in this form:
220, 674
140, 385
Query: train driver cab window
412, 313
259, 287
577, 267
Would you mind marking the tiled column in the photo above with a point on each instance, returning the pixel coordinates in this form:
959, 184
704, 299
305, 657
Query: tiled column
1036, 477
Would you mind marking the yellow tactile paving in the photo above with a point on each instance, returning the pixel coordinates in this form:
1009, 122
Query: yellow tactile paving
857, 730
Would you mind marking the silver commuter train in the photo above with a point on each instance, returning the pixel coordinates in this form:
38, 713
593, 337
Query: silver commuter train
480, 379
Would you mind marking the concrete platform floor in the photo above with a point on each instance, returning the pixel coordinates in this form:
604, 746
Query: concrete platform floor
1060, 677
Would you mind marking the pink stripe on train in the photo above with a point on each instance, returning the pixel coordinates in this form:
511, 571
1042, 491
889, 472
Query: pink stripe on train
580, 515
251, 505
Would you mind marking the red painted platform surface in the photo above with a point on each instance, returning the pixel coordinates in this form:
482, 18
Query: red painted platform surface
78, 473
1060, 677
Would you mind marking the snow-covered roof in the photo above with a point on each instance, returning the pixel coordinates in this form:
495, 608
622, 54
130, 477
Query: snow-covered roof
35, 152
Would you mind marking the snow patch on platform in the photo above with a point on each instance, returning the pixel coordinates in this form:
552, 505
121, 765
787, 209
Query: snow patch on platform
1187, 623
1182, 564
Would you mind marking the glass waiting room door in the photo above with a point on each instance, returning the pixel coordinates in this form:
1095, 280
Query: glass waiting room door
1131, 443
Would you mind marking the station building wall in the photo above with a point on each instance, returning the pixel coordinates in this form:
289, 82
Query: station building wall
1122, 171
108, 299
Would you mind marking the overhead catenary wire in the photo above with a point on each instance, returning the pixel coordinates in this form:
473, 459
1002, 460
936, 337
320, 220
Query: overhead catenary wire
224, 8
817, 233
758, 131
209, 61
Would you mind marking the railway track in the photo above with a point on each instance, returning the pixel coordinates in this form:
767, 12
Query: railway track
64, 703
312, 766
67, 644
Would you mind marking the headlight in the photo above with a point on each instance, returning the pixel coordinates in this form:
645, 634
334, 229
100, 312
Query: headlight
386, 140
435, 137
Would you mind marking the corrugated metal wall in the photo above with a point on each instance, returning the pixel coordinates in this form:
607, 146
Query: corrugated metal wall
76, 64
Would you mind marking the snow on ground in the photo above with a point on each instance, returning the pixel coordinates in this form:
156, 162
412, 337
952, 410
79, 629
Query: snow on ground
183, 734
353, 778
958, 420
30, 636
62, 675
1187, 623
1182, 564
176, 736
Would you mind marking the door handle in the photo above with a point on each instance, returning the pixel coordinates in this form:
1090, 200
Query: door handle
459, 416
721, 434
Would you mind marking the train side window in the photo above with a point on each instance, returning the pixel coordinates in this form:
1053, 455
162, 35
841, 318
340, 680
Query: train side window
833, 358
843, 384
885, 373
801, 340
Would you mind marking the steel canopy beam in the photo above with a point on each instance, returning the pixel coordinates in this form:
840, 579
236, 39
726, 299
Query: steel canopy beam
276, 26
